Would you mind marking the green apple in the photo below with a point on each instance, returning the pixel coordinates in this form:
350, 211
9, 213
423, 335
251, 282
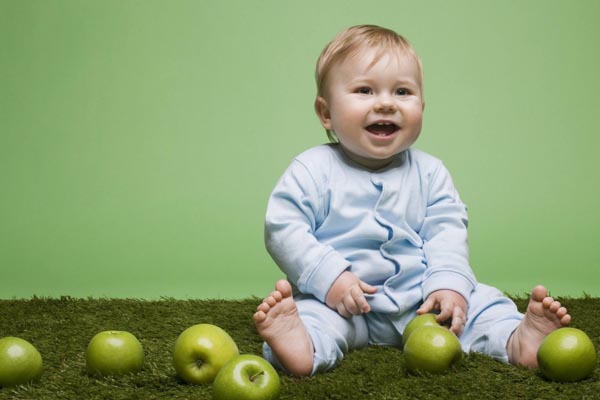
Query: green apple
20, 362
247, 377
567, 355
418, 322
114, 353
200, 351
431, 349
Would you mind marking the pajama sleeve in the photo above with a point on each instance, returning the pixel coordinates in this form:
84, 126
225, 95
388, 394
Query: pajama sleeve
444, 232
295, 210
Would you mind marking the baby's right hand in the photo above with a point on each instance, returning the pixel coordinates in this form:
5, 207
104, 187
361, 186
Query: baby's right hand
347, 295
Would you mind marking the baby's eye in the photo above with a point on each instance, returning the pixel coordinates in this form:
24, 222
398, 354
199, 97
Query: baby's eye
401, 92
364, 90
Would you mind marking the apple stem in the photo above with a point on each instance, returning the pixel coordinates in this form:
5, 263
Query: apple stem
253, 377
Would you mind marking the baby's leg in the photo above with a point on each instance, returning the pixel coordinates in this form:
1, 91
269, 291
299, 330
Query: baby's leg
543, 316
303, 335
491, 320
495, 327
278, 323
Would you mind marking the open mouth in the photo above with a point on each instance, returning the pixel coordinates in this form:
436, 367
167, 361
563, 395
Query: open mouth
383, 129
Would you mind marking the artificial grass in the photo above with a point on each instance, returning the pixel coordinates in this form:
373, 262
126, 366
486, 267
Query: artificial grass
61, 329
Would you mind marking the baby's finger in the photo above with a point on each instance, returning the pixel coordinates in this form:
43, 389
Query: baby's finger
341, 309
350, 304
458, 321
426, 307
366, 288
360, 300
445, 313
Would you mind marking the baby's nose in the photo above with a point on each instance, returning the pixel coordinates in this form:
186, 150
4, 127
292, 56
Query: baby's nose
385, 106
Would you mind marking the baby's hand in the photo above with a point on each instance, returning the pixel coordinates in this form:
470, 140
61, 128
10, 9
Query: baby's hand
347, 295
451, 305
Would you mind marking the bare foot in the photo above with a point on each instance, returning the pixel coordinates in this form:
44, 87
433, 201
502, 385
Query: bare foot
543, 316
279, 324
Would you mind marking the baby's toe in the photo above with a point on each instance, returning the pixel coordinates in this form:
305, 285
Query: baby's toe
561, 312
264, 307
539, 293
259, 317
270, 301
284, 287
547, 302
555, 306
277, 295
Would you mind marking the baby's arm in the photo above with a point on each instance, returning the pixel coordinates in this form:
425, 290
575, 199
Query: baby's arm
296, 208
347, 295
448, 280
451, 305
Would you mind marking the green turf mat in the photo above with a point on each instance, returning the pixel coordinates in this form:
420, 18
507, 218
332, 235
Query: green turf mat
61, 329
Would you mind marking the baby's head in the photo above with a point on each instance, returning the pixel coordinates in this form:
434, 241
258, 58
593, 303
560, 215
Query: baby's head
355, 42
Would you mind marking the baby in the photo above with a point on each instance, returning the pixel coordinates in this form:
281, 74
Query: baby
371, 232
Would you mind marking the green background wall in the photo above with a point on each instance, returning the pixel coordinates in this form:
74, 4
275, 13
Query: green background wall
139, 140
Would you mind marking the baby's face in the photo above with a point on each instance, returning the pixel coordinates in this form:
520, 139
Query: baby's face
375, 111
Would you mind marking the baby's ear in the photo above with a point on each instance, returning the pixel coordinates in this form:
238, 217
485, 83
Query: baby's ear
322, 110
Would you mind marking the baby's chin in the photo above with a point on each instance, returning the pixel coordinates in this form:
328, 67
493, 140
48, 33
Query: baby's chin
372, 161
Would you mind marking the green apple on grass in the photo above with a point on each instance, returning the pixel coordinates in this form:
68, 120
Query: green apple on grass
20, 362
247, 377
418, 322
567, 355
201, 351
114, 353
431, 349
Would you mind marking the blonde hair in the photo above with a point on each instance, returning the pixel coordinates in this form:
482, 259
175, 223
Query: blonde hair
354, 40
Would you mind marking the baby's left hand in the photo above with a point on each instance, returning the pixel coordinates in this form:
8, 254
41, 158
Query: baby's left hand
451, 305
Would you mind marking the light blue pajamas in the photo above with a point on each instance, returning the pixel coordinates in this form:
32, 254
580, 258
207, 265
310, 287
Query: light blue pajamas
402, 229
